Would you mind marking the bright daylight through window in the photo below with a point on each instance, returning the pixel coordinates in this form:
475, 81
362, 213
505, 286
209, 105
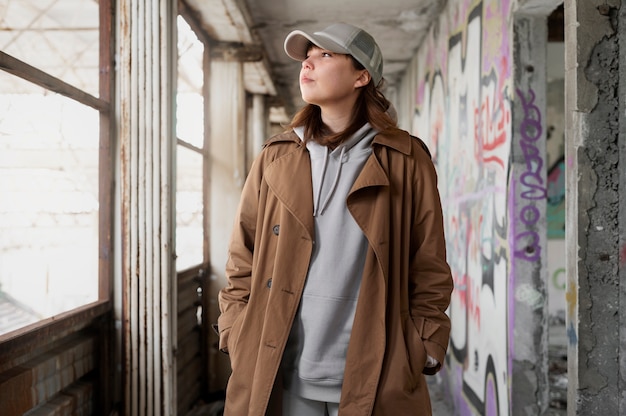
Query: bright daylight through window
189, 152
49, 154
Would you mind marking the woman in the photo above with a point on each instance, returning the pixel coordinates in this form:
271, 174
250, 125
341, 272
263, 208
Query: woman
337, 275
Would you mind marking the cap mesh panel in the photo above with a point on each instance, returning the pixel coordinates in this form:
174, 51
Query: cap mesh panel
364, 45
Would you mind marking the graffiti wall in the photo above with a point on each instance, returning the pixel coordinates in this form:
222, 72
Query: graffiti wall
463, 111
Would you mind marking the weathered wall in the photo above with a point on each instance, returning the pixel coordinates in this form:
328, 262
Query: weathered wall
478, 86
620, 256
527, 215
462, 109
481, 100
595, 205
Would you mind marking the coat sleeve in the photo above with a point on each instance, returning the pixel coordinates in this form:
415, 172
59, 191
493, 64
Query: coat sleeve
431, 281
233, 299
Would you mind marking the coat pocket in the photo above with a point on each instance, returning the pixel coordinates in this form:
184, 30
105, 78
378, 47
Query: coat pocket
233, 338
415, 349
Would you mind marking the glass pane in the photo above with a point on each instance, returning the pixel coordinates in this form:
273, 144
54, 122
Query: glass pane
59, 37
189, 128
189, 101
48, 204
189, 209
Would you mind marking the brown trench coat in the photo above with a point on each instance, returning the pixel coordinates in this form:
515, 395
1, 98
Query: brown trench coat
405, 290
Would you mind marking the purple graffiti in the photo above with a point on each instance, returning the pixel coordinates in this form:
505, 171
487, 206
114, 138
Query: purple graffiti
532, 130
528, 242
531, 250
530, 215
532, 177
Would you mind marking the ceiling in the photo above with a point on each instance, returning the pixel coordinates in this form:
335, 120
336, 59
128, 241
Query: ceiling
55, 34
399, 27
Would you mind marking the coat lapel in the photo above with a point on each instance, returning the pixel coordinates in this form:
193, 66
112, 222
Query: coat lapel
368, 203
289, 177
372, 174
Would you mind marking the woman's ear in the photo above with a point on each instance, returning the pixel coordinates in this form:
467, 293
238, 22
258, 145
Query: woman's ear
363, 79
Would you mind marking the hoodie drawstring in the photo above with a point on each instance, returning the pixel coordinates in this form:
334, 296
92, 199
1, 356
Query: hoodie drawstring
319, 189
320, 210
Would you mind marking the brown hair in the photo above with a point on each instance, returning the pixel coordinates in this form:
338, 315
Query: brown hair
371, 106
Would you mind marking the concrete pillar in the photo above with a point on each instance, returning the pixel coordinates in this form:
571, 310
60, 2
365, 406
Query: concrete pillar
227, 170
595, 151
405, 101
146, 78
258, 126
527, 217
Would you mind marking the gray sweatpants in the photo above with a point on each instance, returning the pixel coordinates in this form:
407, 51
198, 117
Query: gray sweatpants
294, 405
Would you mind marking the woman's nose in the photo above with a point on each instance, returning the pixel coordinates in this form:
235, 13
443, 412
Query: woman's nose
306, 64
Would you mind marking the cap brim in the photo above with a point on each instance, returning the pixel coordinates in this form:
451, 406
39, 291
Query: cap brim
297, 44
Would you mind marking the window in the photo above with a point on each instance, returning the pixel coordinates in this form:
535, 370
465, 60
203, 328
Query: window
190, 154
53, 141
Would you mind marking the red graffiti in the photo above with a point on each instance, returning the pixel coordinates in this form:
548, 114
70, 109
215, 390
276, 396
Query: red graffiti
491, 127
469, 297
435, 132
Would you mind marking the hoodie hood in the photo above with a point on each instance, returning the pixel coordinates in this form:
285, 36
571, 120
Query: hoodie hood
346, 159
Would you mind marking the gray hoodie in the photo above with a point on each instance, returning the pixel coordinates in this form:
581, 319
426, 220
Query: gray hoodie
314, 359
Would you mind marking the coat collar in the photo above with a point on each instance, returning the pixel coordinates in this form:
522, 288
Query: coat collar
284, 176
285, 173
396, 139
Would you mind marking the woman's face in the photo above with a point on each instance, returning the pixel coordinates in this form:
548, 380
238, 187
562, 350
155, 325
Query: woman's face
329, 78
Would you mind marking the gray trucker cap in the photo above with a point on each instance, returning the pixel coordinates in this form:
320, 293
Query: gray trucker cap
339, 38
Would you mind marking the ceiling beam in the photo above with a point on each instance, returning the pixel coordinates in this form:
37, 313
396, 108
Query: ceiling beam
235, 51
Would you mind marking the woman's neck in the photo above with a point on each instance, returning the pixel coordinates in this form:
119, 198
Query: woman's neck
336, 124
338, 115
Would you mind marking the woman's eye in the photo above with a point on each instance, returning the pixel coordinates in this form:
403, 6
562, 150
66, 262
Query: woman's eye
326, 54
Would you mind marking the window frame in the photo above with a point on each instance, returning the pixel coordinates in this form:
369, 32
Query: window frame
25, 338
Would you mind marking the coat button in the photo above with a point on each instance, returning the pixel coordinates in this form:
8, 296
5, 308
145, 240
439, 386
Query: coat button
276, 229
269, 283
